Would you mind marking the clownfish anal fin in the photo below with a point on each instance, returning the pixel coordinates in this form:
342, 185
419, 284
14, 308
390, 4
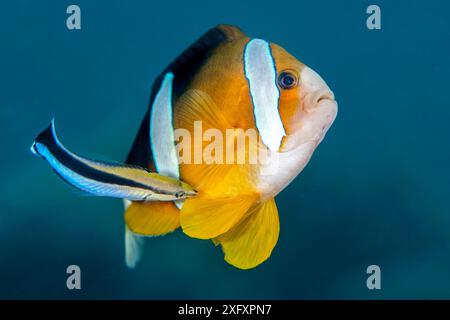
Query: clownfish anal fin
251, 242
205, 218
152, 218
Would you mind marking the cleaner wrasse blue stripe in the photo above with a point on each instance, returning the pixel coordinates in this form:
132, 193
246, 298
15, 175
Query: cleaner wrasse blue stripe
107, 179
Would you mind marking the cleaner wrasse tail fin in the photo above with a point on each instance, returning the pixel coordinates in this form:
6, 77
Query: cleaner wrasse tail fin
252, 240
106, 179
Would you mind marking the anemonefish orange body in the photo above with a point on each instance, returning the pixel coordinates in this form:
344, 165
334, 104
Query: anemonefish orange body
227, 82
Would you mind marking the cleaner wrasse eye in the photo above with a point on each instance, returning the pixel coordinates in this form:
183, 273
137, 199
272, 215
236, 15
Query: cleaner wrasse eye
107, 179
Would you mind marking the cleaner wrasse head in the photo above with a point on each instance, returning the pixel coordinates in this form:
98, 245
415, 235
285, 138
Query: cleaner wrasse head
107, 179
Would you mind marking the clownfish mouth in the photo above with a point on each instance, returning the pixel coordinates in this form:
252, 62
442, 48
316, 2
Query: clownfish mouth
327, 95
318, 100
319, 109
329, 106
314, 90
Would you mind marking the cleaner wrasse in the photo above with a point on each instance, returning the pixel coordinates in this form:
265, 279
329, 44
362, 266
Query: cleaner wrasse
107, 179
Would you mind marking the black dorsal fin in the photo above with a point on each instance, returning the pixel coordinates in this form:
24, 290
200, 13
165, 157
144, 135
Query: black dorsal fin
184, 68
186, 65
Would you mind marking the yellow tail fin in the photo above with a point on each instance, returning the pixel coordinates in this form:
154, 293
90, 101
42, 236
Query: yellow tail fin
152, 218
251, 242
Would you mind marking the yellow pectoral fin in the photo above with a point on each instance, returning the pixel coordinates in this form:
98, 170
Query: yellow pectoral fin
207, 218
251, 242
196, 105
152, 218
215, 155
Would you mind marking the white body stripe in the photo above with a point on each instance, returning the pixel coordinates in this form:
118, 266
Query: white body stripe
162, 139
161, 131
261, 74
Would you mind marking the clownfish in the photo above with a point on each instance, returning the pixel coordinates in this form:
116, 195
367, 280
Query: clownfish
227, 85
106, 179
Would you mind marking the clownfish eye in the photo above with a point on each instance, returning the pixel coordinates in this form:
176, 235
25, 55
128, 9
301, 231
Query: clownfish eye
287, 80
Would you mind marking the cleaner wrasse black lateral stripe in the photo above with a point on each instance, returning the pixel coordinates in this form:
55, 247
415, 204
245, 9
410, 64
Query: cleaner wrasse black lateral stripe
106, 179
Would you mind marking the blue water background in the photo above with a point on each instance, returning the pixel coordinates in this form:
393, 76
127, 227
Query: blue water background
375, 192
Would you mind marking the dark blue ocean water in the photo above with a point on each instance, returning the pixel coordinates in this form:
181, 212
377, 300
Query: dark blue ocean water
375, 192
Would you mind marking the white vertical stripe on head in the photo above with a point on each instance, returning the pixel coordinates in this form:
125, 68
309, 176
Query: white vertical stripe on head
260, 71
162, 139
